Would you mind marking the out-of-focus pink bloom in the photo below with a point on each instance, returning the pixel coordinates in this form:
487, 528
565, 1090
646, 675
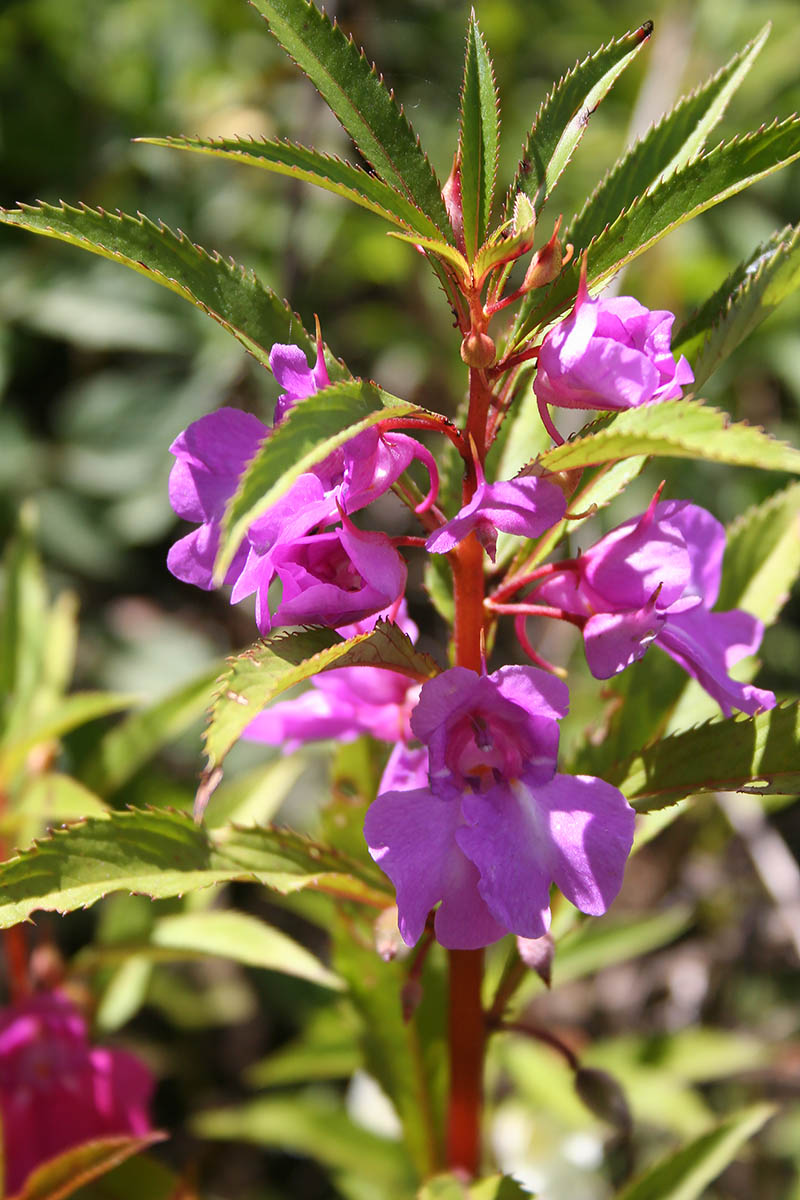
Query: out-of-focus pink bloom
526, 506
346, 702
56, 1090
655, 578
479, 820
610, 354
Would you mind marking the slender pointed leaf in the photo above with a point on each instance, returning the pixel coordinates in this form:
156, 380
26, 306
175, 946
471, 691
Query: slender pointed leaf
563, 117
764, 287
309, 433
479, 141
312, 166
357, 95
65, 715
231, 295
686, 1174
162, 854
675, 429
666, 147
61, 1176
436, 246
762, 556
758, 754
271, 667
724, 171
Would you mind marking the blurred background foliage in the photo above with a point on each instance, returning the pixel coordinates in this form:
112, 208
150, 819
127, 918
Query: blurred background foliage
99, 371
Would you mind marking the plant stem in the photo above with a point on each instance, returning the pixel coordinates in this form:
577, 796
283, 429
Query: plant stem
467, 1035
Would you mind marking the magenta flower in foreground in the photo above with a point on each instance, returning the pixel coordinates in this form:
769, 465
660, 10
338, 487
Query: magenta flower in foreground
526, 506
479, 820
346, 702
57, 1091
610, 354
655, 578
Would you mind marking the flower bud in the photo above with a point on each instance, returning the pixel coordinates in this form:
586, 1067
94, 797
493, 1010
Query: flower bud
603, 1096
478, 350
451, 194
546, 263
538, 954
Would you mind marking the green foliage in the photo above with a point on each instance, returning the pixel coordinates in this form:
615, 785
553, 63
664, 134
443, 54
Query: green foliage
450, 1187
562, 119
479, 140
270, 667
686, 1174
62, 1176
675, 429
235, 298
666, 147
358, 97
748, 754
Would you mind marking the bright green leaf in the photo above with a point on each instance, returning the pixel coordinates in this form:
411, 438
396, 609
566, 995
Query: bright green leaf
593, 945
312, 166
685, 1174
231, 295
270, 667
451, 1187
709, 179
758, 754
675, 429
310, 432
666, 147
66, 715
479, 139
357, 95
762, 556
62, 1176
24, 620
244, 939
563, 117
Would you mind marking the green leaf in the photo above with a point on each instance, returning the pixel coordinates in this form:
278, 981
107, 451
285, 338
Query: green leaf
67, 714
162, 854
244, 939
326, 1049
685, 1174
316, 1128
675, 429
439, 248
231, 295
762, 556
709, 179
135, 740
479, 138
310, 432
453, 1187
593, 945
563, 117
136, 1178
758, 754
768, 280
48, 799
666, 147
312, 166
24, 620
357, 95
270, 667
62, 1176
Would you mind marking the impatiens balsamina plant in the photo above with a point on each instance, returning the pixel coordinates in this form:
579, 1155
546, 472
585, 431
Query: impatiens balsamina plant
476, 826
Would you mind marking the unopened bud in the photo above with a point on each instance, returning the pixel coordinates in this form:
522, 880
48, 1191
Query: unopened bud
478, 350
546, 263
537, 954
603, 1096
451, 194
410, 996
388, 941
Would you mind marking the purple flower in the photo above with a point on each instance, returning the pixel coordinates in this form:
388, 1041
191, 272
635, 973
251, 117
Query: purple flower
346, 702
57, 1091
327, 578
655, 578
292, 372
609, 354
482, 823
526, 506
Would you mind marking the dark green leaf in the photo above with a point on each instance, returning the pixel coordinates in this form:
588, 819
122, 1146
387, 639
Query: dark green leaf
479, 141
162, 854
312, 166
706, 181
271, 667
666, 147
562, 119
357, 95
758, 754
135, 1179
310, 432
685, 1174
232, 296
675, 429
768, 280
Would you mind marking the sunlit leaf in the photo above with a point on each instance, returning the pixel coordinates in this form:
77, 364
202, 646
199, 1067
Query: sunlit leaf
62, 1176
479, 140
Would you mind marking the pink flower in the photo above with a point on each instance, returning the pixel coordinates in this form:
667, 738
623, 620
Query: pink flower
655, 579
57, 1091
479, 820
609, 354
